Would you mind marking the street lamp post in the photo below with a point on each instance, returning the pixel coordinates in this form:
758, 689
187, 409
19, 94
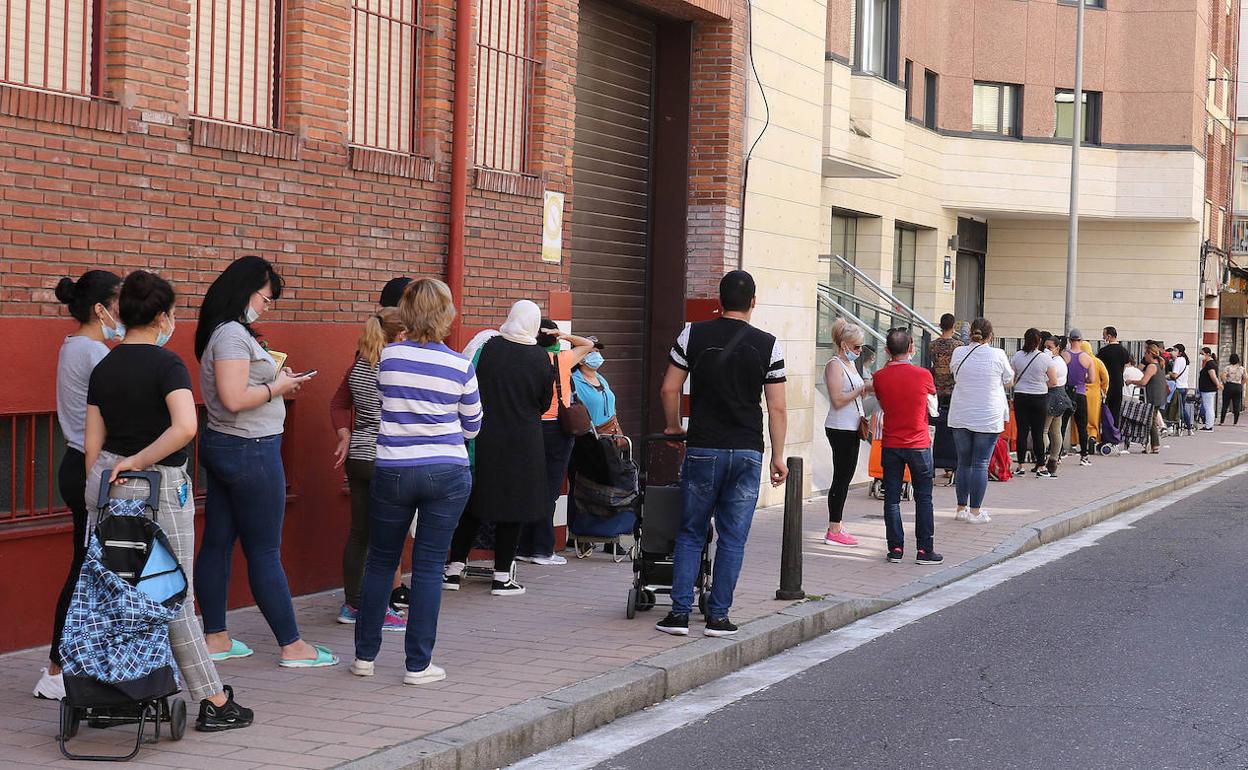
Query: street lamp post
1076, 138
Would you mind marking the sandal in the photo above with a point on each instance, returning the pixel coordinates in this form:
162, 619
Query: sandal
237, 650
323, 658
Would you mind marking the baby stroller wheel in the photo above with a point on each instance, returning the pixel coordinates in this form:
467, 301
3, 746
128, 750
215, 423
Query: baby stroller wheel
646, 601
71, 718
873, 491
1107, 449
630, 611
175, 711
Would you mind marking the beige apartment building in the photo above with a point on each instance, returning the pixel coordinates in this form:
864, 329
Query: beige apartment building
946, 157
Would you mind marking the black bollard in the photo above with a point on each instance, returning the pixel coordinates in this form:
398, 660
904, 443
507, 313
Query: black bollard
791, 540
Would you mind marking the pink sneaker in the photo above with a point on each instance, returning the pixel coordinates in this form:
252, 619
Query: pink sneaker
841, 538
394, 622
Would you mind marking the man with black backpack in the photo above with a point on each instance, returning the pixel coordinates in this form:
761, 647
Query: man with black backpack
731, 366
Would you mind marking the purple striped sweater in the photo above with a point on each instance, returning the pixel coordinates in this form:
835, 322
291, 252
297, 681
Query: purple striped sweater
429, 405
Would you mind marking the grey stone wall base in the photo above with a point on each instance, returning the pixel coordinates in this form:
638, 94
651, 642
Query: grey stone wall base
518, 731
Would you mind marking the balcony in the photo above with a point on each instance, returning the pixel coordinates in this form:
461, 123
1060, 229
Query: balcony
864, 126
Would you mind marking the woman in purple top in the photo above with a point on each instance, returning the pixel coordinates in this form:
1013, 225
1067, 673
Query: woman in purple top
1078, 364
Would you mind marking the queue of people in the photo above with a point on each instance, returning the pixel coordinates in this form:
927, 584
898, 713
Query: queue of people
1058, 386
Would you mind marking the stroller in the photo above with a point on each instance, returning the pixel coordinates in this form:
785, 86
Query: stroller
604, 494
118, 663
875, 464
1110, 435
659, 508
1137, 423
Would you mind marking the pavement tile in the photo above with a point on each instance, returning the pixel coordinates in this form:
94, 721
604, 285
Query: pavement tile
568, 628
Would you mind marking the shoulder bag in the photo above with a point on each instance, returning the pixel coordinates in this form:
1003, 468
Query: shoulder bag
574, 419
864, 425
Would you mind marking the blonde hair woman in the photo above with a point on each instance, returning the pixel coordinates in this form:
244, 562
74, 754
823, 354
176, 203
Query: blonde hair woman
355, 411
845, 391
429, 409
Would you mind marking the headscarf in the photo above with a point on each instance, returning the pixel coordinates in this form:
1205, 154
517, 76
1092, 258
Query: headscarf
521, 327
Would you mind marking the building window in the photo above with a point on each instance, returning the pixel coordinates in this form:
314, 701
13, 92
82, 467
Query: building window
996, 109
505, 73
904, 254
53, 45
236, 61
876, 35
844, 243
385, 71
1064, 125
909, 91
931, 89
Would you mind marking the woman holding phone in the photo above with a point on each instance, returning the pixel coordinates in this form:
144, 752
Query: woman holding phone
241, 450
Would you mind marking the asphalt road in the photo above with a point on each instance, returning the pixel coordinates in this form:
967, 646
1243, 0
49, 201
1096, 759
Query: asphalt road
1132, 653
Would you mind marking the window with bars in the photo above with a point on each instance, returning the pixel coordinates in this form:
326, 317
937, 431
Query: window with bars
53, 45
505, 73
236, 61
386, 72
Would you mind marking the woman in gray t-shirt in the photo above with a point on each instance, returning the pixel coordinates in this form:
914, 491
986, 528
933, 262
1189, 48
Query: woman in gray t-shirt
241, 450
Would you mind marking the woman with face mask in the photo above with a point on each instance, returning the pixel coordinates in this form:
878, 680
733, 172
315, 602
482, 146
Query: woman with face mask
592, 390
141, 416
241, 451
845, 390
92, 302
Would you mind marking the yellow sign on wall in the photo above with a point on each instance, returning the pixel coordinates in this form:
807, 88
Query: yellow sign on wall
552, 227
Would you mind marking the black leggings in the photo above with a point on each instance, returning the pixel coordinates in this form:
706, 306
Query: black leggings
506, 538
1233, 399
845, 445
1030, 410
1081, 422
72, 481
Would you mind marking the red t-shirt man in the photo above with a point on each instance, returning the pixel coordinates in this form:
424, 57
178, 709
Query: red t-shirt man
902, 390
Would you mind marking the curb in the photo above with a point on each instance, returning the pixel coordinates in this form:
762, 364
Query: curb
510, 734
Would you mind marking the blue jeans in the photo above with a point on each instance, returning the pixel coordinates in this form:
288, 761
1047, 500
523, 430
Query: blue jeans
1185, 413
895, 462
723, 483
436, 495
974, 452
246, 502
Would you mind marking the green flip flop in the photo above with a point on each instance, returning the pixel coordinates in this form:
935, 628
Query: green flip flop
237, 650
323, 658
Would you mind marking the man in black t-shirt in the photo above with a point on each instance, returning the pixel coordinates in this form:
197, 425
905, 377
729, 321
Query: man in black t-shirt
731, 365
1115, 358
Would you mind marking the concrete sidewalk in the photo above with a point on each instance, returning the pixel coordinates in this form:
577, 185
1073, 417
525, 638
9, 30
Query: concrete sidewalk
527, 672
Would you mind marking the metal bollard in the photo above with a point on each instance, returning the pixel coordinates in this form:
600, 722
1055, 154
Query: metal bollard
791, 540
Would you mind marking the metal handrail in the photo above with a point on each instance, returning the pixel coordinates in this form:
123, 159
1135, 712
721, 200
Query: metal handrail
863, 324
880, 290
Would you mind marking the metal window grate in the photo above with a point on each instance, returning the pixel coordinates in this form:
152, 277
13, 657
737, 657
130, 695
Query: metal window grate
53, 45
236, 61
386, 74
505, 73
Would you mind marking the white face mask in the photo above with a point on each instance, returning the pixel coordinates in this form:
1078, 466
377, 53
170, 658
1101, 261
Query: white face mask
251, 315
115, 332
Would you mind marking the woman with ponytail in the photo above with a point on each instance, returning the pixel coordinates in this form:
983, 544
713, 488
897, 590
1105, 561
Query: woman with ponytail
355, 411
92, 302
845, 391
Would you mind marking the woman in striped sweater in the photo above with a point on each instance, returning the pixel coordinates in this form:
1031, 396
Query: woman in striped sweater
355, 411
429, 408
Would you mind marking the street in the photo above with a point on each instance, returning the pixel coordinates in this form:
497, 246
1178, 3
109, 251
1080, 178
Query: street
1126, 654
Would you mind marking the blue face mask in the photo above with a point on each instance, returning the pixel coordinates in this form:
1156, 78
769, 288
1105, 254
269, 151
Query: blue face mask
594, 360
162, 338
115, 332
851, 356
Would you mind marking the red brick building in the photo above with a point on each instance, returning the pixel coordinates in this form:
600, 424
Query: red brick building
178, 135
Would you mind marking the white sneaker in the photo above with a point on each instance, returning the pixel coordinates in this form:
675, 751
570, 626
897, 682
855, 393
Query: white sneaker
50, 686
981, 518
362, 667
553, 560
431, 674
962, 515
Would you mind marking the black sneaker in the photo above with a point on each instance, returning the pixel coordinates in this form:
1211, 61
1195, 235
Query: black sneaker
231, 716
1044, 473
721, 627
509, 588
928, 557
676, 625
451, 582
894, 555
401, 597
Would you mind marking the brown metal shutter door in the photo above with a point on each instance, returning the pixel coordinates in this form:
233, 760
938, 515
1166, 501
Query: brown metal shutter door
611, 195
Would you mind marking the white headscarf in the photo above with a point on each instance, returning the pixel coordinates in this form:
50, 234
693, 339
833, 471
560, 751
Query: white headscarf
521, 327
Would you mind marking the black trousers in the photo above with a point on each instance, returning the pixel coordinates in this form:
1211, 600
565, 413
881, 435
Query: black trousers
1030, 410
1113, 400
359, 478
538, 538
1232, 399
845, 446
72, 481
1081, 422
506, 536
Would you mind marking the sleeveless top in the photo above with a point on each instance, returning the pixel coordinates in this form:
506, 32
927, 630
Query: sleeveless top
845, 418
1156, 392
1077, 373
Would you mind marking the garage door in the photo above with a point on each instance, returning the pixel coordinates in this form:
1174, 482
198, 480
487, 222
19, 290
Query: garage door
611, 194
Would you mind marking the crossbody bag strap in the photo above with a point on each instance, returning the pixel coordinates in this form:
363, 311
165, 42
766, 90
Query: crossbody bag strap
857, 399
969, 353
1025, 368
